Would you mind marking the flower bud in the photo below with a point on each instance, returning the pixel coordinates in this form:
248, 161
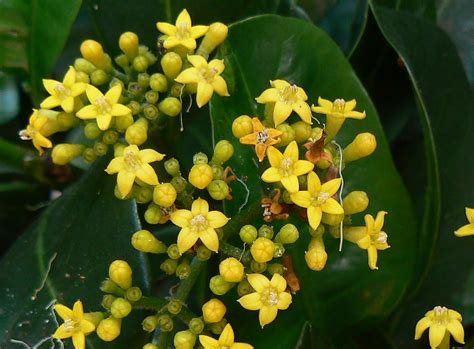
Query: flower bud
200, 175
143, 79
120, 308
316, 255
99, 77
135, 107
318, 232
134, 294
327, 161
244, 288
218, 327
174, 306
100, 148
219, 286
66, 121
150, 346
140, 64
257, 267
248, 233
332, 219
158, 82
218, 189
150, 57
109, 329
276, 268
142, 195
82, 77
92, 51
164, 194
231, 270
62, 154
89, 155
121, 273
179, 183
118, 149
183, 270
107, 301
242, 126
265, 231
110, 137
287, 136
316, 133
108, 286
170, 106
166, 323
302, 131
355, 202
213, 311
138, 132
122, 61
134, 89
83, 66
171, 64
203, 253
150, 323
173, 251
128, 43
216, 34
363, 145
196, 325
153, 214
145, 241
200, 158
223, 151
262, 250
279, 250
91, 130
184, 340
150, 111
95, 317
288, 234
152, 96
172, 167
217, 171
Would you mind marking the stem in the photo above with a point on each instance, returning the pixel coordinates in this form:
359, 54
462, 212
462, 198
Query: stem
164, 340
233, 226
186, 315
151, 303
232, 251
12, 154
187, 284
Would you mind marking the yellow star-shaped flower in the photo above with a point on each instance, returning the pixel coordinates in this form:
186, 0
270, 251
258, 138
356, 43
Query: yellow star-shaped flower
262, 137
318, 199
42, 124
103, 107
226, 340
63, 93
287, 98
75, 325
442, 323
182, 33
206, 76
467, 229
286, 167
269, 296
199, 223
134, 164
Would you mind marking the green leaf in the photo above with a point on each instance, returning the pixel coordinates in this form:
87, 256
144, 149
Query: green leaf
14, 31
65, 256
9, 98
346, 293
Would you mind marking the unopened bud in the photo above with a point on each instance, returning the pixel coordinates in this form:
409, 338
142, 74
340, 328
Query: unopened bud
200, 158
203, 253
134, 294
276, 268
213, 311
183, 270
242, 126
184, 340
355, 202
175, 306
100, 148
219, 286
173, 251
265, 231
258, 267
92, 51
99, 77
248, 233
332, 219
302, 131
231, 270
121, 273
216, 34
223, 151
140, 64
158, 82
138, 132
145, 241
262, 250
316, 256
150, 323
171, 64
170, 106
153, 214
244, 288
363, 145
287, 136
179, 184
109, 329
196, 325
84, 66
288, 234
164, 194
62, 154
200, 175
120, 308
218, 189
128, 43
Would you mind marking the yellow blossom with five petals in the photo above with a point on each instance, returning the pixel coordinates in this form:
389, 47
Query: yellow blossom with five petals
286, 167
134, 163
287, 98
467, 229
206, 76
103, 107
63, 93
42, 123
269, 296
182, 33
442, 323
75, 325
198, 224
226, 340
262, 137
318, 199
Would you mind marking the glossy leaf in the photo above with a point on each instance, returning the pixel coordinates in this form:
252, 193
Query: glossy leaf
13, 34
65, 256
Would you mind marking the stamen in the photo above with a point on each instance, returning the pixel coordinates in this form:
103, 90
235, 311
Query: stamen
103, 105
131, 161
262, 136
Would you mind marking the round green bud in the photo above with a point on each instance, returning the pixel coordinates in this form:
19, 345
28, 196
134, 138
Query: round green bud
122, 61
170, 106
150, 323
143, 195
121, 273
248, 233
99, 77
316, 133
108, 286
219, 286
109, 329
174, 306
279, 250
91, 130
62, 154
110, 137
150, 346
135, 107
223, 151
179, 183
143, 80
134, 294
288, 234
89, 155
158, 82
140, 64
203, 253
66, 120
326, 162
152, 97
183, 270
153, 214
196, 325
355, 202
83, 66
169, 266
184, 340
166, 323
92, 51
107, 301
145, 241
242, 126
173, 251
213, 311
286, 196
276, 268
218, 327
218, 189
172, 167
317, 232
231, 270
200, 158
257, 267
120, 308
135, 89
244, 288
332, 219
302, 131
118, 149
265, 231
217, 171
200, 175
95, 317
128, 43
171, 64
176, 90
138, 132
100, 148
117, 82
287, 136
82, 77
164, 194
150, 57
262, 250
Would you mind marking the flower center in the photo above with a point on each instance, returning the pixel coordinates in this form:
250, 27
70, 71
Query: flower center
270, 296
286, 167
199, 222
183, 31
321, 198
382, 237
62, 90
440, 315
288, 94
132, 161
71, 325
103, 105
338, 107
26, 134
262, 136
208, 74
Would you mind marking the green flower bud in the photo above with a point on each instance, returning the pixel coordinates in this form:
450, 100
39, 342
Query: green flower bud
244, 288
184, 340
302, 131
248, 233
138, 132
213, 311
107, 301
140, 64
176, 90
110, 137
66, 120
109, 329
120, 308
258, 267
95, 317
173, 251
276, 268
179, 183
150, 346
203, 253
62, 154
84, 66
183, 270
150, 323
242, 126
287, 136
143, 195
164, 194
166, 323
135, 107
89, 155
158, 83
286, 197
288, 234
223, 151
169, 266
200, 175
219, 286
174, 306
108, 286
100, 148
332, 219
152, 97
99, 77
133, 294
145, 241
217, 171
326, 162
265, 231
218, 327
171, 64
172, 167
135, 89
196, 325
170, 106
218, 189
303, 182
153, 214
128, 43
91, 130
262, 250
122, 61
316, 133
318, 232
279, 250
215, 36
231, 270
82, 77
121, 273
143, 79
200, 158
145, 52
355, 202
363, 145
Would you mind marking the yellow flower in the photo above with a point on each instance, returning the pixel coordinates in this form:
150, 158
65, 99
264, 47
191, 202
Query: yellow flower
226, 340
63, 93
269, 296
442, 322
370, 238
318, 199
467, 229
287, 98
199, 223
42, 124
75, 325
286, 167
134, 164
336, 113
103, 107
182, 33
206, 76
262, 137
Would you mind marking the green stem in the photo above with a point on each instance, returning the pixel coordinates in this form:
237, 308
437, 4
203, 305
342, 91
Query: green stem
232, 251
186, 315
187, 284
12, 154
164, 339
150, 303
252, 212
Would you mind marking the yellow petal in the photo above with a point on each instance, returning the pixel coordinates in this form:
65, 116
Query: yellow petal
120, 110
284, 300
209, 342
331, 206
189, 43
281, 112
133, 148
364, 242
103, 121
70, 77
184, 18
457, 331
166, 28
314, 216
421, 327
217, 65
274, 156
290, 183
78, 88
181, 218
88, 112
314, 183
354, 115
301, 198
226, 339
350, 105
186, 239
354, 234
125, 182
93, 93
325, 103
49, 85
200, 207
278, 282
271, 175
258, 282
302, 167
268, 96
379, 220
63, 311
260, 150
291, 151
197, 61
216, 219
219, 85
210, 239
470, 214
249, 139
242, 346
171, 41
87, 326
465, 230
113, 95
267, 314
436, 334
204, 93
454, 315
252, 301
40, 141
331, 187
78, 310
279, 84
304, 111
198, 30
369, 222
188, 76
372, 255
150, 155
79, 340
62, 333
68, 104
51, 102
320, 110
147, 174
